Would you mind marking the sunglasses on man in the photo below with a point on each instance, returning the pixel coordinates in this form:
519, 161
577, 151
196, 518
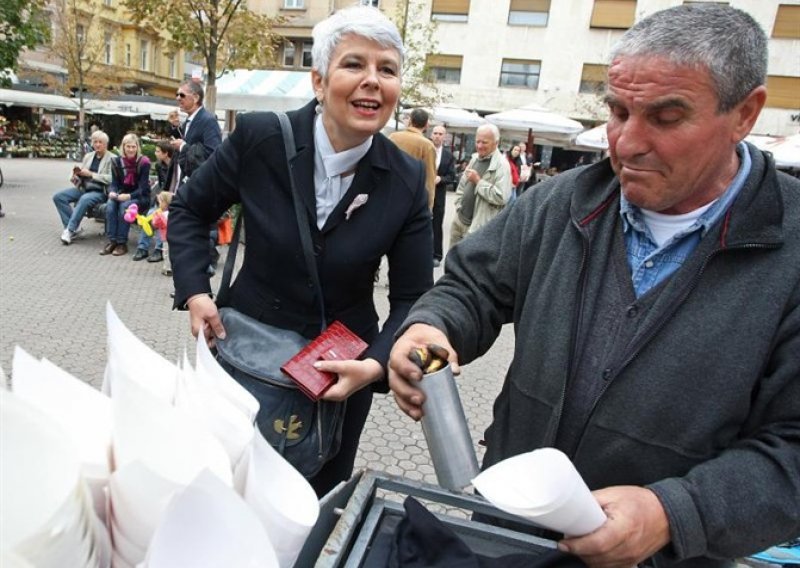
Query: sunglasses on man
181, 95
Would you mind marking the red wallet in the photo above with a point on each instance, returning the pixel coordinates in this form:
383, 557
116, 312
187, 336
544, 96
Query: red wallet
336, 343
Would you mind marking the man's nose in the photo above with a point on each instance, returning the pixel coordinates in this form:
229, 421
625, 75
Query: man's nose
632, 137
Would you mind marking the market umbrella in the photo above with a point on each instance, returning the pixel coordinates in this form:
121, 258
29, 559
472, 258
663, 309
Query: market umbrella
785, 150
536, 121
595, 138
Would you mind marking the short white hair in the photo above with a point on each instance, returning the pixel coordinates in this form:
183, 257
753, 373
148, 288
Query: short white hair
363, 21
491, 128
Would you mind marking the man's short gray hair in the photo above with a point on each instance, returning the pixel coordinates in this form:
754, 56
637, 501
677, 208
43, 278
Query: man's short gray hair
363, 21
100, 135
196, 88
726, 41
491, 128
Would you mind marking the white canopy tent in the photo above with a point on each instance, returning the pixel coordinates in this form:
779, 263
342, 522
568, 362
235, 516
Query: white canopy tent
453, 117
593, 139
537, 121
155, 111
243, 90
785, 150
47, 101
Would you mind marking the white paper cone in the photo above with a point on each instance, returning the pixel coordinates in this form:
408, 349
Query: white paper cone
282, 498
207, 525
544, 487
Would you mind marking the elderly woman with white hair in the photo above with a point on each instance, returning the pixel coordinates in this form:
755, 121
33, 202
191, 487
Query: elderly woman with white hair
361, 197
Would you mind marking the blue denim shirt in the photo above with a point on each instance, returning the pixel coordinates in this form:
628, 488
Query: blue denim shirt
650, 264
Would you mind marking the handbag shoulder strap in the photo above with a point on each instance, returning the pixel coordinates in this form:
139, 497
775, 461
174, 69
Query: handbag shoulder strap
223, 296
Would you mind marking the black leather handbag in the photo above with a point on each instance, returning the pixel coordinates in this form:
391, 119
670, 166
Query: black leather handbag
306, 433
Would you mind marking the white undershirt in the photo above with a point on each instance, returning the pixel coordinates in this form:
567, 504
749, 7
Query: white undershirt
663, 227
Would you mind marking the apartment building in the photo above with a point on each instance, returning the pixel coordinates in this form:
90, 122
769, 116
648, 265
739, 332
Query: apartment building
495, 55
302, 15
134, 59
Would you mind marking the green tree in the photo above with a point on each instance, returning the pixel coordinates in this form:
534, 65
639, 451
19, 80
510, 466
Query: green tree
22, 25
225, 33
412, 18
78, 39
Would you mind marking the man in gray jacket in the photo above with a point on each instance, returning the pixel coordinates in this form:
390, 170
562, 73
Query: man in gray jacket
484, 188
655, 298
89, 187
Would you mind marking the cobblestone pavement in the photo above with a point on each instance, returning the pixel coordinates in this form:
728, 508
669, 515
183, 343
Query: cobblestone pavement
52, 304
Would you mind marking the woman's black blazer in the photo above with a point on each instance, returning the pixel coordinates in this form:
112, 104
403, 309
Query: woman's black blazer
273, 285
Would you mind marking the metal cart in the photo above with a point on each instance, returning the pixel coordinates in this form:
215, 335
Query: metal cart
353, 514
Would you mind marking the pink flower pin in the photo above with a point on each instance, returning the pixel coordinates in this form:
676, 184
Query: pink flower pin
358, 201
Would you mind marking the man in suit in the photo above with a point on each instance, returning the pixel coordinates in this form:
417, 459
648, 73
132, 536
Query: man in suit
200, 137
200, 133
412, 141
445, 175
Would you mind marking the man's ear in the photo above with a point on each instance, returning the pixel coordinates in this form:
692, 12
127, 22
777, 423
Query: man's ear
746, 112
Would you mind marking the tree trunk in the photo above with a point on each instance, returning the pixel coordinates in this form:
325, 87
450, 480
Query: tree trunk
210, 101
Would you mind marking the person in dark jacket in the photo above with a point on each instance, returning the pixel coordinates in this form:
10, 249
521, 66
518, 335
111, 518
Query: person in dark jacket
655, 298
130, 183
363, 197
445, 176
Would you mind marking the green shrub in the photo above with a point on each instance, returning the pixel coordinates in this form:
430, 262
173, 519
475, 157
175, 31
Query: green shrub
149, 150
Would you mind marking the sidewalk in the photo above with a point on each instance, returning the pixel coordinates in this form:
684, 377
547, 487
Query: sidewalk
53, 297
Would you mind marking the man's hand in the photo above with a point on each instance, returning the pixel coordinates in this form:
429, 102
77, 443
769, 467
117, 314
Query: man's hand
204, 318
472, 176
404, 374
637, 527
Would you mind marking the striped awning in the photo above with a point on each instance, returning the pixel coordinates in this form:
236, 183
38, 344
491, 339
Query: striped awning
243, 90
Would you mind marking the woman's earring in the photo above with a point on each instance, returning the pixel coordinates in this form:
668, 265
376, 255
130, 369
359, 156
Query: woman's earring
318, 108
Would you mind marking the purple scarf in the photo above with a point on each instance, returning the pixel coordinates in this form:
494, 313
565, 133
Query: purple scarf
130, 171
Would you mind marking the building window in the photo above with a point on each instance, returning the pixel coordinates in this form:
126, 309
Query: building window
444, 68
520, 73
172, 71
787, 22
307, 62
288, 54
593, 79
528, 12
107, 2
80, 33
450, 10
293, 4
615, 14
128, 54
783, 92
107, 48
144, 47
373, 3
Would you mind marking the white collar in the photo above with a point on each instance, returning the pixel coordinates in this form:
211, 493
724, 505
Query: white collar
335, 163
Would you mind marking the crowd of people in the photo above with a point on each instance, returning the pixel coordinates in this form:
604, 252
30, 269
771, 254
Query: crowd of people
654, 294
124, 186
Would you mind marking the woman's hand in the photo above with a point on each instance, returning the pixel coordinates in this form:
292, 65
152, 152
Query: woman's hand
404, 374
204, 317
113, 195
353, 376
124, 197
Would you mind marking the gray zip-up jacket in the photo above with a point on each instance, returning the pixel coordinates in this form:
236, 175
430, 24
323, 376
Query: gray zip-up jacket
704, 405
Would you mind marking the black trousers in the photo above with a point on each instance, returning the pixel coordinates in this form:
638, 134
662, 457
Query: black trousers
340, 468
440, 197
